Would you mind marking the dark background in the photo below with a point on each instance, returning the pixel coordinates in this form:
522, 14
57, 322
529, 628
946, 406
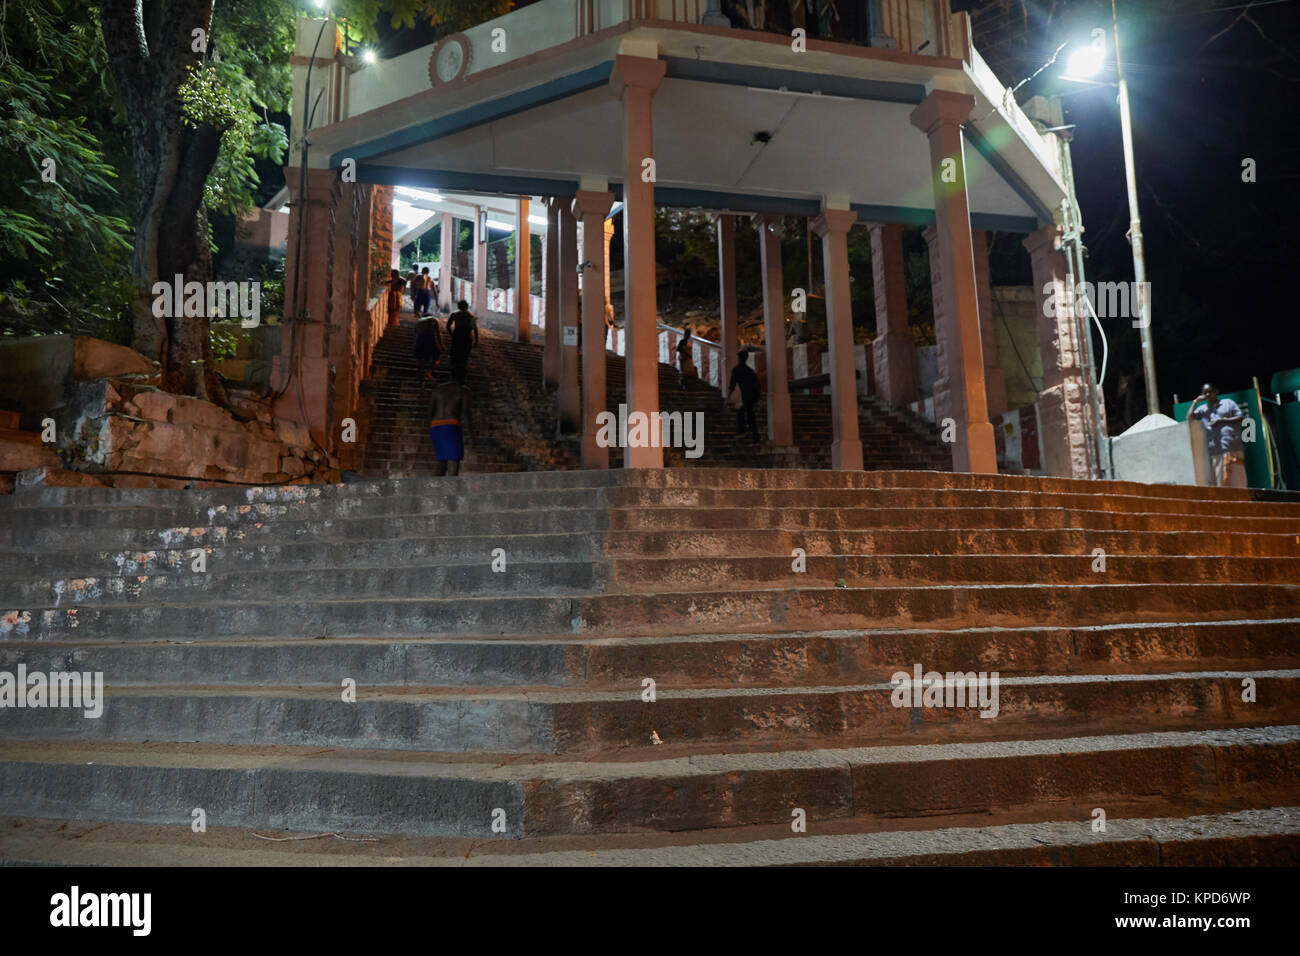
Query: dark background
1211, 82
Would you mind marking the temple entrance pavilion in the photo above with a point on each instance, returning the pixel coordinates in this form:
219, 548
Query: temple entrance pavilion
587, 105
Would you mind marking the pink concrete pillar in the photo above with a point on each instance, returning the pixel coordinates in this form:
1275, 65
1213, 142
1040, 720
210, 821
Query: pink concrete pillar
551, 295
480, 303
728, 313
1062, 404
447, 254
634, 81
608, 233
893, 350
303, 374
940, 117
833, 226
592, 207
779, 427
523, 275
947, 396
995, 382
568, 401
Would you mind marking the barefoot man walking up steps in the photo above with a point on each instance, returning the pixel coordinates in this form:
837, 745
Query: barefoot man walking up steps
450, 416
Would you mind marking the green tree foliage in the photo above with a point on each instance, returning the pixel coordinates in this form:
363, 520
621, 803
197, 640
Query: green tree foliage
64, 246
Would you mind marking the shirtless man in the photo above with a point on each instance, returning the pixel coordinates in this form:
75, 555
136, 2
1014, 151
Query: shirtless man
451, 415
462, 328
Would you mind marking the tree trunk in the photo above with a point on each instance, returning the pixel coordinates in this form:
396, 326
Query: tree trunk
150, 45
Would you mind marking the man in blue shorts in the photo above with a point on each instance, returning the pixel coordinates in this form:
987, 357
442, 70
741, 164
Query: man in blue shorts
450, 416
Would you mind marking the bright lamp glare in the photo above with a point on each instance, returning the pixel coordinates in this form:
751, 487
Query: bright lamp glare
368, 56
1086, 61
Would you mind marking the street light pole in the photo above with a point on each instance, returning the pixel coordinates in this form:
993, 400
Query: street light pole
1135, 232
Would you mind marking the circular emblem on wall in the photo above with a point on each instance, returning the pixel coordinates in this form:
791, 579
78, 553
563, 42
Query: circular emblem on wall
450, 59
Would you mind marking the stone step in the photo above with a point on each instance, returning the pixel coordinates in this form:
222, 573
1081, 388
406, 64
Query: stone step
946, 541
305, 789
730, 611
440, 576
872, 570
533, 720
863, 518
450, 501
283, 494
146, 528
959, 545
750, 660
223, 583
939, 606
324, 531
1236, 837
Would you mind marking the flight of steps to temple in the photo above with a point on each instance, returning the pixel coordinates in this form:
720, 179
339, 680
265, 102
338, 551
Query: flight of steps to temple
516, 419
1144, 638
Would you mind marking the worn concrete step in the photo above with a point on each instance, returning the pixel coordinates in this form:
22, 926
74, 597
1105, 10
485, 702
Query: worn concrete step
765, 610
331, 550
810, 479
532, 720
693, 542
862, 518
855, 570
225, 582
779, 498
284, 494
432, 568
949, 606
305, 789
711, 660
417, 617
325, 530
1233, 837
23, 520
270, 556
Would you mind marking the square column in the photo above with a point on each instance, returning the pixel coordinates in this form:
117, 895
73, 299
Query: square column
447, 257
568, 401
1062, 404
307, 363
523, 274
940, 117
727, 296
833, 226
480, 302
995, 382
893, 351
948, 398
592, 207
609, 239
779, 428
634, 80
551, 296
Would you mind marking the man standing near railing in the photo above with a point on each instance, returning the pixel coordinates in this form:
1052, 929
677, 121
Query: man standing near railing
751, 390
686, 357
1222, 419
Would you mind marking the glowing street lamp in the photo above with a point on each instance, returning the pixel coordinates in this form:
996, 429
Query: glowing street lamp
1085, 62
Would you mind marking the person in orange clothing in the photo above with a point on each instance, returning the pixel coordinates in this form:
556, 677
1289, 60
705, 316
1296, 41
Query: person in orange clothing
395, 286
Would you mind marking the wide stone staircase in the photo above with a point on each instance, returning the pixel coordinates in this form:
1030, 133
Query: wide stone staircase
515, 426
677, 666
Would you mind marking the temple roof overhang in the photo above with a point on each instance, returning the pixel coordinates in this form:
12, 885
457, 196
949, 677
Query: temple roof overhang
837, 119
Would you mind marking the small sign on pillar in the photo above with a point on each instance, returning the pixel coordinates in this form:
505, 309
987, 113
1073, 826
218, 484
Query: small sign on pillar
570, 335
